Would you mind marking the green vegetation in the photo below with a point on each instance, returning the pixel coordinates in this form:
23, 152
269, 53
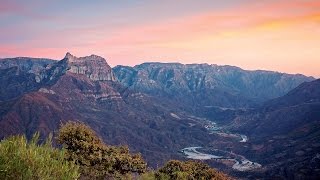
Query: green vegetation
85, 156
20, 159
188, 170
96, 159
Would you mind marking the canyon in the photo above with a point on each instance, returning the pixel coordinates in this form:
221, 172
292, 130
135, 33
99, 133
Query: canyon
249, 124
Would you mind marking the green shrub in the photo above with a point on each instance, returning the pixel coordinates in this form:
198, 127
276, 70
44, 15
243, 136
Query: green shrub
20, 159
188, 170
147, 176
96, 159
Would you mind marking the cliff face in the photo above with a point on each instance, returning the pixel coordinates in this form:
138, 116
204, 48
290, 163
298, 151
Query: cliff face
208, 85
26, 64
94, 67
23, 74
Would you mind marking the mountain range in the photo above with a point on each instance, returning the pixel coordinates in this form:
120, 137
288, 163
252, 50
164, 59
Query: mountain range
159, 109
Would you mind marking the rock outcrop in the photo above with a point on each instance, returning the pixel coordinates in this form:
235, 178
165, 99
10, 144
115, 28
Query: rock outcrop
94, 67
23, 74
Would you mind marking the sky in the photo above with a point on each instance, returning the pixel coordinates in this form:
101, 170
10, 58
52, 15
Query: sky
278, 35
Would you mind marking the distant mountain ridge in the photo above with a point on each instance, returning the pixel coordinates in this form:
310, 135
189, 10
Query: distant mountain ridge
231, 86
201, 85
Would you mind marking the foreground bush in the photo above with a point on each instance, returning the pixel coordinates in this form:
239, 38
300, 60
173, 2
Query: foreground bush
188, 170
96, 159
88, 156
20, 159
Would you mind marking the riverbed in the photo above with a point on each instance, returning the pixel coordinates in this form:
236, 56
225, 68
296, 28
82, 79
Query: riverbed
240, 163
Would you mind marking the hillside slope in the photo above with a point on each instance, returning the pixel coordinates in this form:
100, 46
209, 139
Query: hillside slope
285, 132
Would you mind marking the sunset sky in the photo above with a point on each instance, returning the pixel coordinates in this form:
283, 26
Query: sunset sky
279, 35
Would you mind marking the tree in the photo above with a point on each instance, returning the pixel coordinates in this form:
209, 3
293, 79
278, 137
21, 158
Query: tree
96, 159
20, 159
194, 170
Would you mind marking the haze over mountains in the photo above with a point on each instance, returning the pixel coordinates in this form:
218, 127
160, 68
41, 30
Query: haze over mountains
160, 108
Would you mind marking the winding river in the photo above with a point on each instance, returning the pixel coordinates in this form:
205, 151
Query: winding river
240, 162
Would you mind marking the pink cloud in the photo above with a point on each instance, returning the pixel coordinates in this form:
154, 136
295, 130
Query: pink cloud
8, 6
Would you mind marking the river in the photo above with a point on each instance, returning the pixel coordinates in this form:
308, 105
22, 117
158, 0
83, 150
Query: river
240, 162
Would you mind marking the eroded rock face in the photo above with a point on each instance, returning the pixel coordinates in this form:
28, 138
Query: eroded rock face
189, 80
23, 74
94, 67
26, 64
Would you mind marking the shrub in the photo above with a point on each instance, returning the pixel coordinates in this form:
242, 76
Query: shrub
96, 159
188, 170
150, 175
20, 159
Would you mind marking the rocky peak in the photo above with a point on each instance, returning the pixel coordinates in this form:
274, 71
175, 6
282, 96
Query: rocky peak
70, 57
94, 67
